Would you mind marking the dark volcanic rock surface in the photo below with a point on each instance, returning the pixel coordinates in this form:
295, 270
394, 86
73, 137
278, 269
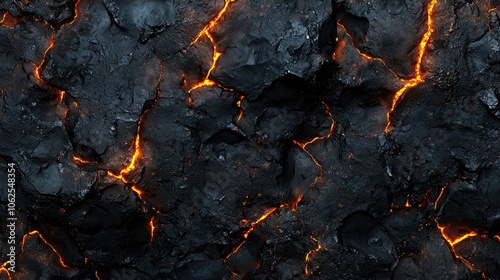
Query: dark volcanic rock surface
158, 139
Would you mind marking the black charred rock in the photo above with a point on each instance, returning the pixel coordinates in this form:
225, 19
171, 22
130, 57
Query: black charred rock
158, 139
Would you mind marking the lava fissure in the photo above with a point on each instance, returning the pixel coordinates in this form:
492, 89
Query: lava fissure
38, 67
292, 205
80, 160
238, 104
304, 145
35, 232
152, 227
216, 52
439, 197
136, 142
311, 252
364, 55
453, 241
4, 268
419, 76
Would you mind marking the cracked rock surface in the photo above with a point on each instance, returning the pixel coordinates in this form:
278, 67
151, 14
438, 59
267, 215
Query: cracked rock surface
161, 139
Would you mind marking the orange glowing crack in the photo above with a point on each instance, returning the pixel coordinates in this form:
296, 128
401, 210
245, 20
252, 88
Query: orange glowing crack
206, 81
213, 22
407, 204
137, 140
97, 275
426, 200
216, 53
76, 14
454, 241
152, 227
62, 93
4, 268
80, 160
137, 191
364, 55
489, 16
258, 221
135, 157
311, 252
39, 66
238, 104
8, 20
497, 237
439, 197
253, 225
4, 16
292, 205
304, 145
419, 77
61, 261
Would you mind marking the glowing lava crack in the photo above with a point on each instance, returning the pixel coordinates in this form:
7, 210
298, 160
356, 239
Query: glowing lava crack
206, 82
216, 53
419, 76
307, 271
292, 205
61, 261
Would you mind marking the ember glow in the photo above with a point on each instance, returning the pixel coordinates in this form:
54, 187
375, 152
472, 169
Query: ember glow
136, 147
251, 229
238, 104
118, 181
137, 191
362, 54
439, 197
419, 76
36, 233
8, 20
303, 145
80, 160
3, 269
310, 254
152, 228
453, 241
216, 52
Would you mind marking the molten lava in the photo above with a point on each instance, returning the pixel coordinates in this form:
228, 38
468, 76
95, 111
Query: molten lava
407, 204
75, 16
152, 228
452, 241
137, 191
39, 66
136, 146
304, 145
135, 156
8, 20
80, 160
439, 197
61, 261
3, 268
238, 104
258, 221
216, 53
364, 55
311, 252
251, 229
419, 77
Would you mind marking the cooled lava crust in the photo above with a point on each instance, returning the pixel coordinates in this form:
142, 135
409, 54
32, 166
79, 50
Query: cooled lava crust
251, 139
